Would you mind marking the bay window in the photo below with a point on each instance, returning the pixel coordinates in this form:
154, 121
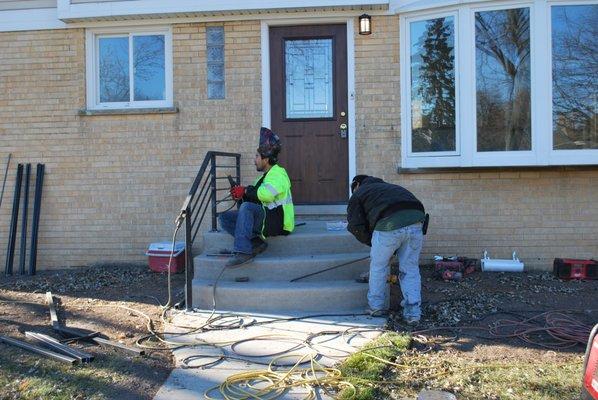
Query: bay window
500, 84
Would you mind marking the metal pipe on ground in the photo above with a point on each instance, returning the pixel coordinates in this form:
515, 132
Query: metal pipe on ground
55, 345
84, 335
10, 253
53, 315
37, 350
23, 252
39, 183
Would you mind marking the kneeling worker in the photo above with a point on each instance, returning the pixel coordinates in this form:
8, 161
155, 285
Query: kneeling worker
266, 206
389, 218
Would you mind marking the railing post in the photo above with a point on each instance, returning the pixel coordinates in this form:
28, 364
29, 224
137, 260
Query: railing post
213, 194
189, 268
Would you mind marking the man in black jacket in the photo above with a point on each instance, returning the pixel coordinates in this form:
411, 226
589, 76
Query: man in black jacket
388, 218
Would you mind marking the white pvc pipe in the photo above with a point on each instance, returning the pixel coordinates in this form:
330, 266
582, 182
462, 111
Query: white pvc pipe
489, 265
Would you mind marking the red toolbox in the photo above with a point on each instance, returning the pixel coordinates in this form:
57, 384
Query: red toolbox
159, 255
569, 268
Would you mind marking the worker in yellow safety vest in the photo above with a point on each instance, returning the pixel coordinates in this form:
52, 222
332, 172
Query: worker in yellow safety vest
266, 206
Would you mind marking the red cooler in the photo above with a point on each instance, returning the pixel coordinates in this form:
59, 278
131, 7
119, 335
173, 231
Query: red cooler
159, 255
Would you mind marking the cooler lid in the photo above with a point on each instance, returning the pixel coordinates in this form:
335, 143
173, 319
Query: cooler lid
167, 246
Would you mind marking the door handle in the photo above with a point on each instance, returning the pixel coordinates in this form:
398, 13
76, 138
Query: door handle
343, 131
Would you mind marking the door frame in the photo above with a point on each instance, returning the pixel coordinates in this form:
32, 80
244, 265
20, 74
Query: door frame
265, 54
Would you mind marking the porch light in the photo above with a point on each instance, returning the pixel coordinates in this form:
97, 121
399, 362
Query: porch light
365, 24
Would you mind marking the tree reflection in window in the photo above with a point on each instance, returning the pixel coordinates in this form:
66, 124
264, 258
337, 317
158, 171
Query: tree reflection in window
433, 85
114, 69
575, 77
503, 80
148, 67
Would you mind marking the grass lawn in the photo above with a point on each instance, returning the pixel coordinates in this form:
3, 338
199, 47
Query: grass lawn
388, 369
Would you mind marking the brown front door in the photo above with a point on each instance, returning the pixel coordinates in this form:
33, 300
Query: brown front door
308, 83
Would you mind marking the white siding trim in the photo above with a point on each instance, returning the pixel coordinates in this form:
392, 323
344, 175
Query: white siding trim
29, 20
68, 11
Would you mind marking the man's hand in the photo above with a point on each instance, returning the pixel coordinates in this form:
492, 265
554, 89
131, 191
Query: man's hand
237, 192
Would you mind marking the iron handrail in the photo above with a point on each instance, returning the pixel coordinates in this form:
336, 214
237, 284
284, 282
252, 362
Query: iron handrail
201, 196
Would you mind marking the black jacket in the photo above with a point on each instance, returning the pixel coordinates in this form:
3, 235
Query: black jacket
373, 200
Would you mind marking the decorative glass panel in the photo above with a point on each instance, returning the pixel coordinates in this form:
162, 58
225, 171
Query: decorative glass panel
503, 98
308, 72
148, 67
114, 69
575, 77
215, 61
433, 85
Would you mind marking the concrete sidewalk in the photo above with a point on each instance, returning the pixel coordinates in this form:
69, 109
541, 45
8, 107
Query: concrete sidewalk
269, 340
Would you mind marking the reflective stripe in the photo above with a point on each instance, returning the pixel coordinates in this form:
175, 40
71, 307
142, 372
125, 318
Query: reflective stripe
277, 203
271, 189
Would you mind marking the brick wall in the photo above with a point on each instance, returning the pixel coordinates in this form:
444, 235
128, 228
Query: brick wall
542, 213
114, 183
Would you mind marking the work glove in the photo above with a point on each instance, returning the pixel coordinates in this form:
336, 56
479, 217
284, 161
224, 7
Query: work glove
237, 192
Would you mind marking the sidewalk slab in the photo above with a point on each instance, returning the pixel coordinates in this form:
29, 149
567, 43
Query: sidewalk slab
261, 343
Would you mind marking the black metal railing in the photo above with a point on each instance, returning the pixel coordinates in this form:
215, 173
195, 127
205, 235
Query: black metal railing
210, 189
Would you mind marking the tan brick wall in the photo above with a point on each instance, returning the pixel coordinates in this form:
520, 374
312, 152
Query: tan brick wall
542, 214
115, 183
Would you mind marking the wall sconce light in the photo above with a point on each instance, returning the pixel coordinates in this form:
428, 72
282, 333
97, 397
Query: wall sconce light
365, 24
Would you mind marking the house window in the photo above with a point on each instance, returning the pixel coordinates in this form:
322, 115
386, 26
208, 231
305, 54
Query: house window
503, 88
481, 81
131, 69
433, 85
215, 61
575, 77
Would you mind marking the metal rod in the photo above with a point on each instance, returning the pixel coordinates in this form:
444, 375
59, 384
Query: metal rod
189, 272
39, 184
83, 334
5, 174
23, 252
213, 196
329, 269
10, 253
54, 344
38, 350
53, 315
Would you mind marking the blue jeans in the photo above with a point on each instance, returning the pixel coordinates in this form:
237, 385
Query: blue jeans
408, 241
244, 225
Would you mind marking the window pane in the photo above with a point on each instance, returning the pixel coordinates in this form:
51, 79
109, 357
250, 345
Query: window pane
216, 90
215, 61
148, 64
503, 80
433, 85
575, 77
114, 69
308, 73
215, 35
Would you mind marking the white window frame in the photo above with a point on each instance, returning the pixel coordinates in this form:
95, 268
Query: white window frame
408, 121
542, 152
92, 66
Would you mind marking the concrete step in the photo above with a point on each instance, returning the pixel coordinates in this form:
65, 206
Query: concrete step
266, 267
340, 296
334, 212
309, 239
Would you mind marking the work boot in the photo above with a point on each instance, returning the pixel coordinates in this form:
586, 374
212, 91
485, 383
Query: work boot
411, 321
258, 245
239, 259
